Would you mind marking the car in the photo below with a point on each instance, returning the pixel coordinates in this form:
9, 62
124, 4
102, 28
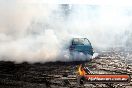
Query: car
81, 48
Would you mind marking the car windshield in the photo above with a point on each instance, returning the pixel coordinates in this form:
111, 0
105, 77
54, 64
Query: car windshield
81, 41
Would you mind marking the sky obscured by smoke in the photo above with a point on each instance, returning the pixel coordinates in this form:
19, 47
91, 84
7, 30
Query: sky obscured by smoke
34, 31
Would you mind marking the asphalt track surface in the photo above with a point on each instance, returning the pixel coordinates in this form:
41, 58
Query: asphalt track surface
61, 74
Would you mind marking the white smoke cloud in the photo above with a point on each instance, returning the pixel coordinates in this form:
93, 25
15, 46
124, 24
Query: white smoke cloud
101, 24
36, 32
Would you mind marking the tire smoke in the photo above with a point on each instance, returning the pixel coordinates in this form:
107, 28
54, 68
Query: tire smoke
38, 32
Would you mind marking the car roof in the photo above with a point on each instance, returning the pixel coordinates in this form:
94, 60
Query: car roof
80, 38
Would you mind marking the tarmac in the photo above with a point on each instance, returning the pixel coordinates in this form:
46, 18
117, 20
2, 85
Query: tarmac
64, 74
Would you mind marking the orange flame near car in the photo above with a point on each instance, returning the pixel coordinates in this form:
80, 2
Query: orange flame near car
81, 71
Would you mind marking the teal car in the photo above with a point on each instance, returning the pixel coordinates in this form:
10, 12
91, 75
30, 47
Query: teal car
81, 46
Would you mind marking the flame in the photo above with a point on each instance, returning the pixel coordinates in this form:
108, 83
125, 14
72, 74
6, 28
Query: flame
81, 70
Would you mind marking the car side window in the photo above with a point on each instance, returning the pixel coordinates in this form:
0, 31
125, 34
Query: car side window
77, 42
86, 42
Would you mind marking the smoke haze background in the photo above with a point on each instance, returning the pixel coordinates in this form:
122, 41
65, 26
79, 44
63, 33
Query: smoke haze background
34, 31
